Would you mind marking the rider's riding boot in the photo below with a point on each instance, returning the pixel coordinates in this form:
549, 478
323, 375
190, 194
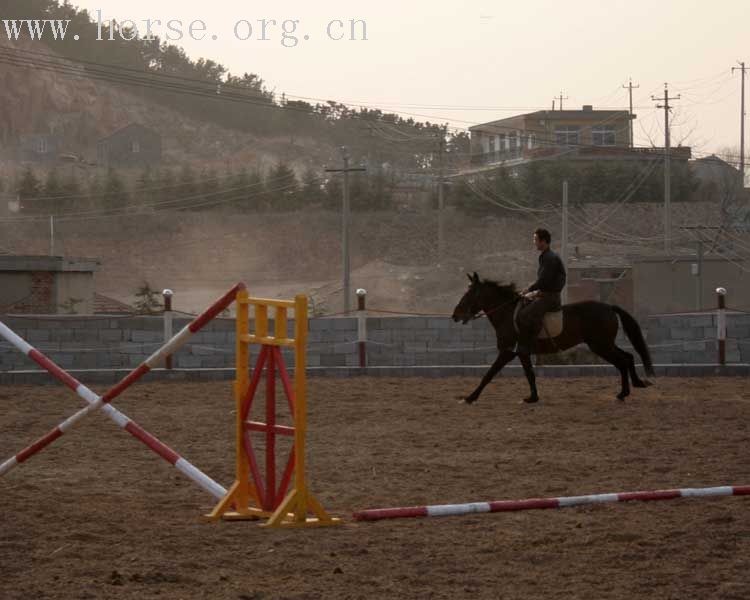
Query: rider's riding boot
525, 343
527, 338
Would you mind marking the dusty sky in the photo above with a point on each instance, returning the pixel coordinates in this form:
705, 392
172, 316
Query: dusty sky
467, 63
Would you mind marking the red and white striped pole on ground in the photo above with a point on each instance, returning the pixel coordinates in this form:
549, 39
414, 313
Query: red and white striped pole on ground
362, 327
721, 324
445, 510
96, 402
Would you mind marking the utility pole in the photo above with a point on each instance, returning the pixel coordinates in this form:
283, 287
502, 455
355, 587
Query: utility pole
697, 232
441, 197
51, 235
345, 223
564, 245
630, 87
742, 68
667, 171
561, 100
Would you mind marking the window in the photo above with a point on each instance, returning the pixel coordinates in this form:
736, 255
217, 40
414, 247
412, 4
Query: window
603, 135
42, 147
532, 141
492, 145
502, 144
513, 138
567, 134
135, 147
484, 142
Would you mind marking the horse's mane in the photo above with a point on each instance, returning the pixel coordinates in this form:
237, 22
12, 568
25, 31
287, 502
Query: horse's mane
508, 288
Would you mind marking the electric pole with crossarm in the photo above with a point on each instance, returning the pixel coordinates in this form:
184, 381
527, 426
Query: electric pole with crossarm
742, 68
345, 222
630, 87
667, 172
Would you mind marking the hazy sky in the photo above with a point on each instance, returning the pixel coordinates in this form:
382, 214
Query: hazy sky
467, 63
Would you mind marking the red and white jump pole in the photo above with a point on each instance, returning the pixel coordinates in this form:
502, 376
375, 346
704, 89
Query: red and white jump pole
446, 510
96, 402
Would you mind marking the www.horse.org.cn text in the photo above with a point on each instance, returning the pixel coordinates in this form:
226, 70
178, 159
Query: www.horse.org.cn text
289, 33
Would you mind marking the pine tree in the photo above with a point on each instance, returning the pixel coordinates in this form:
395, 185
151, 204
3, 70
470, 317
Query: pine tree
187, 189
312, 192
283, 189
166, 184
209, 186
144, 187
333, 193
115, 193
28, 189
235, 189
256, 194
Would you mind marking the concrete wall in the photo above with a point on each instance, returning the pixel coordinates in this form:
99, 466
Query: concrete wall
78, 286
111, 342
677, 339
663, 286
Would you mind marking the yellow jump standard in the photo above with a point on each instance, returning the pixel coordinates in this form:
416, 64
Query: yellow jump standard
252, 497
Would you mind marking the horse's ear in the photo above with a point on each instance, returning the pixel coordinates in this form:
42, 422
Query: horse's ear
476, 277
470, 278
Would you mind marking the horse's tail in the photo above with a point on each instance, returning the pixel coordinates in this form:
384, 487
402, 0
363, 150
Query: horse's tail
635, 335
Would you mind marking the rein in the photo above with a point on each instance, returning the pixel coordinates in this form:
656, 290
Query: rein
479, 315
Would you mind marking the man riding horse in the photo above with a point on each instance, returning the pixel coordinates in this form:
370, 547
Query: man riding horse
543, 295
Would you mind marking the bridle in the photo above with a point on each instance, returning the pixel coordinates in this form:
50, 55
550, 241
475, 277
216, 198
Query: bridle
487, 314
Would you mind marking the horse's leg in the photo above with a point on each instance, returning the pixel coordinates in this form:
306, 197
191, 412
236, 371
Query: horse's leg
611, 355
528, 369
637, 381
503, 358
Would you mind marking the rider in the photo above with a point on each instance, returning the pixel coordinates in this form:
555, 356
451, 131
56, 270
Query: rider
544, 293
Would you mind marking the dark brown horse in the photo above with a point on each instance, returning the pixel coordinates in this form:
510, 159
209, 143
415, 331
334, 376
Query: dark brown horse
591, 323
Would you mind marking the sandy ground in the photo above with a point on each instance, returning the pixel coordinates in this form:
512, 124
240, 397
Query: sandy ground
98, 516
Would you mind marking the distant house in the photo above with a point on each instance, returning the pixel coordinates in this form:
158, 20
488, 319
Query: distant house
718, 181
47, 284
585, 134
39, 147
131, 146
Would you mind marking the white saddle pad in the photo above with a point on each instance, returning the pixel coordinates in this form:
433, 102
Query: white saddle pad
553, 325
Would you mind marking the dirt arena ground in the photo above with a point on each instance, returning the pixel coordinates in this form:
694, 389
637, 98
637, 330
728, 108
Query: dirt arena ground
99, 516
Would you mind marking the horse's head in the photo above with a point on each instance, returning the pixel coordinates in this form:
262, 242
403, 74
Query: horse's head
469, 305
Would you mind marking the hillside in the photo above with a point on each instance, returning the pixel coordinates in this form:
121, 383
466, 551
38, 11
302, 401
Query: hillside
82, 111
393, 253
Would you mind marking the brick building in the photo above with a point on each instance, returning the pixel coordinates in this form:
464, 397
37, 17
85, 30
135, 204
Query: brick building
46, 285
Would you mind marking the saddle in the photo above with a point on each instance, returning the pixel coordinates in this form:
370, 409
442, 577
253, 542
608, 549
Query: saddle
553, 323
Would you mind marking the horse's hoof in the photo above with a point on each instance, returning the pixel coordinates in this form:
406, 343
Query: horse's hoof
647, 383
531, 399
622, 396
468, 400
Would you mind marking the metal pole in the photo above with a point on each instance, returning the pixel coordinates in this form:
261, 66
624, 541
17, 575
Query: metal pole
345, 231
564, 246
700, 275
721, 324
168, 316
362, 327
51, 235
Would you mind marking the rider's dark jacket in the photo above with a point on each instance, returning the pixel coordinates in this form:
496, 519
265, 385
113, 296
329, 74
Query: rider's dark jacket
550, 274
